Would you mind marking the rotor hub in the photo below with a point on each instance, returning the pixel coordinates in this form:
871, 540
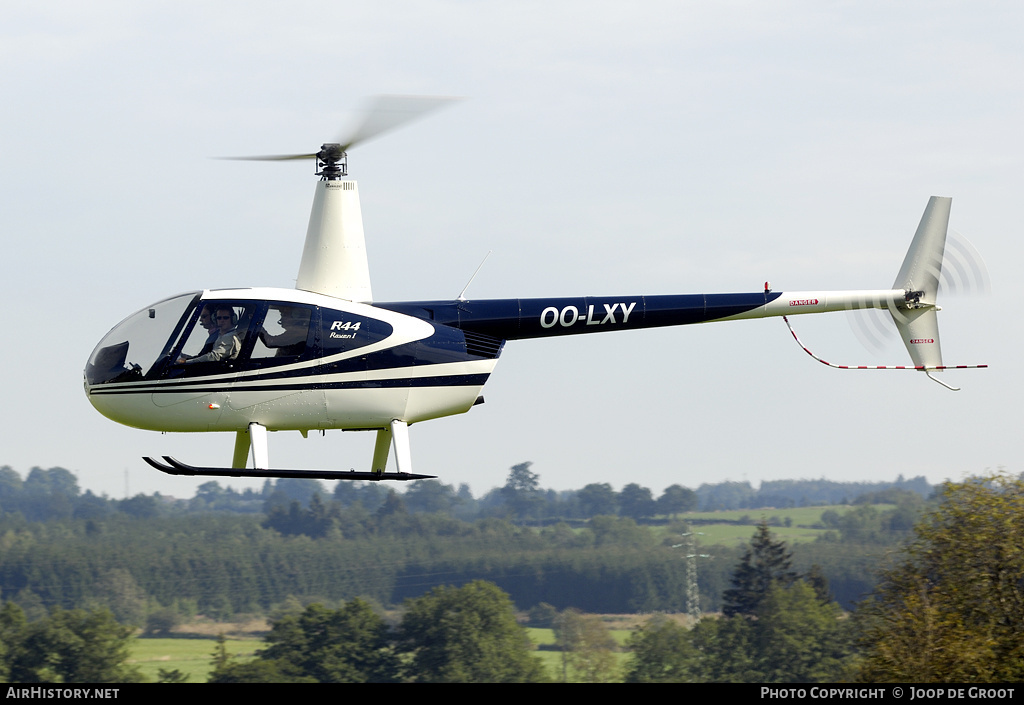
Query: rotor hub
331, 162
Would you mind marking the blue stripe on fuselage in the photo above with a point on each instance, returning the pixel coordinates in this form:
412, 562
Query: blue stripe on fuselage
297, 385
514, 319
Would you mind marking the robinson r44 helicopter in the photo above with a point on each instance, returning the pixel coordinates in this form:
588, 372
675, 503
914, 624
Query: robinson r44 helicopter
326, 356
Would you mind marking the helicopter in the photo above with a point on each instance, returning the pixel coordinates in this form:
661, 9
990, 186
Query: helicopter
325, 355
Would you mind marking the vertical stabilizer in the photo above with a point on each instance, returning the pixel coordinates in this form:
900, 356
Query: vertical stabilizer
917, 318
919, 329
923, 263
334, 257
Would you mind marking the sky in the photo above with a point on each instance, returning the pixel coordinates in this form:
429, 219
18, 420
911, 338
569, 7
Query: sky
602, 148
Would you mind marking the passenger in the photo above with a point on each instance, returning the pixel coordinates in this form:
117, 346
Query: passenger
228, 344
207, 322
295, 322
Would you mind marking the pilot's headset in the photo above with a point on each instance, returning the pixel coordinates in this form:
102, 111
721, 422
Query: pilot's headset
234, 316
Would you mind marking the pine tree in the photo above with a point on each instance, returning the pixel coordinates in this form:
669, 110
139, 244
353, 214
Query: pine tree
765, 563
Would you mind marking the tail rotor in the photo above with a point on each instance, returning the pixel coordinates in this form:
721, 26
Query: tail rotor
912, 302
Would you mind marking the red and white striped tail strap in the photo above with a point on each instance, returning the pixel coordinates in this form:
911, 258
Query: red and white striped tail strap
921, 368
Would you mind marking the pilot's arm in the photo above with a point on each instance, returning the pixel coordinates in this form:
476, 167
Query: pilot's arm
227, 347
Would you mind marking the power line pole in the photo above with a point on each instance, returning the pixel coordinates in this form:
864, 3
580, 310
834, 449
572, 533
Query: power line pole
692, 590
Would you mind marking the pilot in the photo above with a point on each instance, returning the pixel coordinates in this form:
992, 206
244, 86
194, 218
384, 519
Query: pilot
228, 344
291, 342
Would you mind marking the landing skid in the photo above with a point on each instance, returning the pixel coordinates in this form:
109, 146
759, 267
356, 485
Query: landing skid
176, 467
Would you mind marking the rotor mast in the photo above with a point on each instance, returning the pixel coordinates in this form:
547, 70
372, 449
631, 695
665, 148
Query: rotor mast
334, 256
334, 259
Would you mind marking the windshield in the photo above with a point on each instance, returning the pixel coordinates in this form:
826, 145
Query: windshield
188, 337
133, 346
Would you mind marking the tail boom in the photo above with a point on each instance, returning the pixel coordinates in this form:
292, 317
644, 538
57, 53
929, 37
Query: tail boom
800, 302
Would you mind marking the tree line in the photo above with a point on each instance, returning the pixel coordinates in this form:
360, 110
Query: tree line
54, 493
156, 568
949, 608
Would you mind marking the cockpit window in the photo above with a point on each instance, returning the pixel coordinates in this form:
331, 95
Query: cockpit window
286, 334
213, 339
189, 337
131, 349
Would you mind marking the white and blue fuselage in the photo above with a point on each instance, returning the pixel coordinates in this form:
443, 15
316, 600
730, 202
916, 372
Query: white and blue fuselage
360, 366
326, 356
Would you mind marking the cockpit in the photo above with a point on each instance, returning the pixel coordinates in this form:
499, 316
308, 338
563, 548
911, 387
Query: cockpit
189, 336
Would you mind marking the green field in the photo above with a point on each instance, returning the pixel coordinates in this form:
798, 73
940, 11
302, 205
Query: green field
731, 533
546, 637
739, 534
552, 659
190, 656
193, 656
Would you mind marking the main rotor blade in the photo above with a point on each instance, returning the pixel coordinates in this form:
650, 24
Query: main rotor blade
271, 158
382, 113
386, 112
